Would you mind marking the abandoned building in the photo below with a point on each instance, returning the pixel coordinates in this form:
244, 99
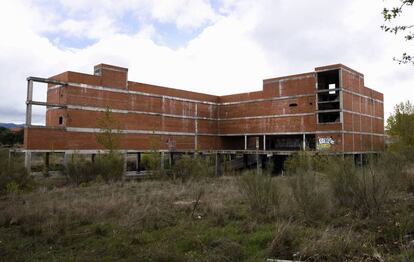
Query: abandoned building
328, 110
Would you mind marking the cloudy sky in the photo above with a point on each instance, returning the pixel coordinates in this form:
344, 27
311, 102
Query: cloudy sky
213, 46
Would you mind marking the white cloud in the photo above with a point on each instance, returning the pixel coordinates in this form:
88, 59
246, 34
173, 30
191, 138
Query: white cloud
244, 43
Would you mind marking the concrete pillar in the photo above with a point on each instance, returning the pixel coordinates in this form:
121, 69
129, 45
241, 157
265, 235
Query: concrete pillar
303, 142
138, 162
218, 165
28, 161
171, 159
264, 142
125, 162
28, 103
245, 160
46, 164
162, 160
245, 142
65, 159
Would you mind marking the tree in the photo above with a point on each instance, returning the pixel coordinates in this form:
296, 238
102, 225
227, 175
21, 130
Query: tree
391, 15
401, 123
109, 136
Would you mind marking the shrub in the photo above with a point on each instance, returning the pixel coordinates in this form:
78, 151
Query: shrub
108, 167
285, 242
191, 167
310, 195
365, 189
13, 175
260, 191
298, 162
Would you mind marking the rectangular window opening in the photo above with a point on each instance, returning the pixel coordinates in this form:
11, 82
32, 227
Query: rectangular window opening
332, 88
60, 120
331, 117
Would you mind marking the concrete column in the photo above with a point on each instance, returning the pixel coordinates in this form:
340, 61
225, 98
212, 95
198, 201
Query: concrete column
264, 142
65, 160
245, 160
218, 165
245, 142
125, 162
196, 128
171, 159
303, 142
162, 160
138, 162
93, 156
28, 103
28, 161
46, 164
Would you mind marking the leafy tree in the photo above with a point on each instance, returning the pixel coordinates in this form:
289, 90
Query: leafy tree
401, 123
390, 15
109, 136
10, 138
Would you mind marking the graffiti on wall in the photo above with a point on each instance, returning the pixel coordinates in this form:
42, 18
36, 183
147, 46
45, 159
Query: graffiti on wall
325, 143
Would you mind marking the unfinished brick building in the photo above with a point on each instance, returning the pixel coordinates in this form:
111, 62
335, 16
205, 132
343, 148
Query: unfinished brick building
327, 110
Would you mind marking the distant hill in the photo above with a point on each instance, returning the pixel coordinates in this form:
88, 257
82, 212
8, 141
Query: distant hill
11, 125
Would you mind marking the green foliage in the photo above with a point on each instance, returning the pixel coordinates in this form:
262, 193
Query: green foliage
310, 195
108, 167
10, 138
392, 14
152, 162
13, 175
400, 124
261, 193
109, 136
364, 189
192, 167
305, 161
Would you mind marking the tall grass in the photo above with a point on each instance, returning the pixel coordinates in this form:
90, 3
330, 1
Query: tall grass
14, 177
261, 192
108, 167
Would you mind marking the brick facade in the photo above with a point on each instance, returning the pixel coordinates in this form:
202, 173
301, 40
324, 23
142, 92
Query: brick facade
329, 110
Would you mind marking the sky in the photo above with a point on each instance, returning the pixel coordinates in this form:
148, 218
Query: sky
211, 46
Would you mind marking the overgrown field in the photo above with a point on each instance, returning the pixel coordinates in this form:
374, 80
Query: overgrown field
323, 210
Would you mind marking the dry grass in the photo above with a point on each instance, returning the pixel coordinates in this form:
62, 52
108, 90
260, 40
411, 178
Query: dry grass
159, 221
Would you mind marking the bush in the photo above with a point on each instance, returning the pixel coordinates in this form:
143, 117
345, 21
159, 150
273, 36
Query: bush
365, 189
108, 167
310, 195
260, 191
13, 175
285, 242
304, 161
151, 161
192, 167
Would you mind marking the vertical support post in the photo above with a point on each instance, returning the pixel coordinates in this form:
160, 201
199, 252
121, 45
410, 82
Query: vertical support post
162, 160
93, 156
245, 160
304, 142
65, 159
46, 166
171, 159
245, 142
138, 162
125, 162
264, 142
28, 161
196, 129
29, 103
218, 165
257, 154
